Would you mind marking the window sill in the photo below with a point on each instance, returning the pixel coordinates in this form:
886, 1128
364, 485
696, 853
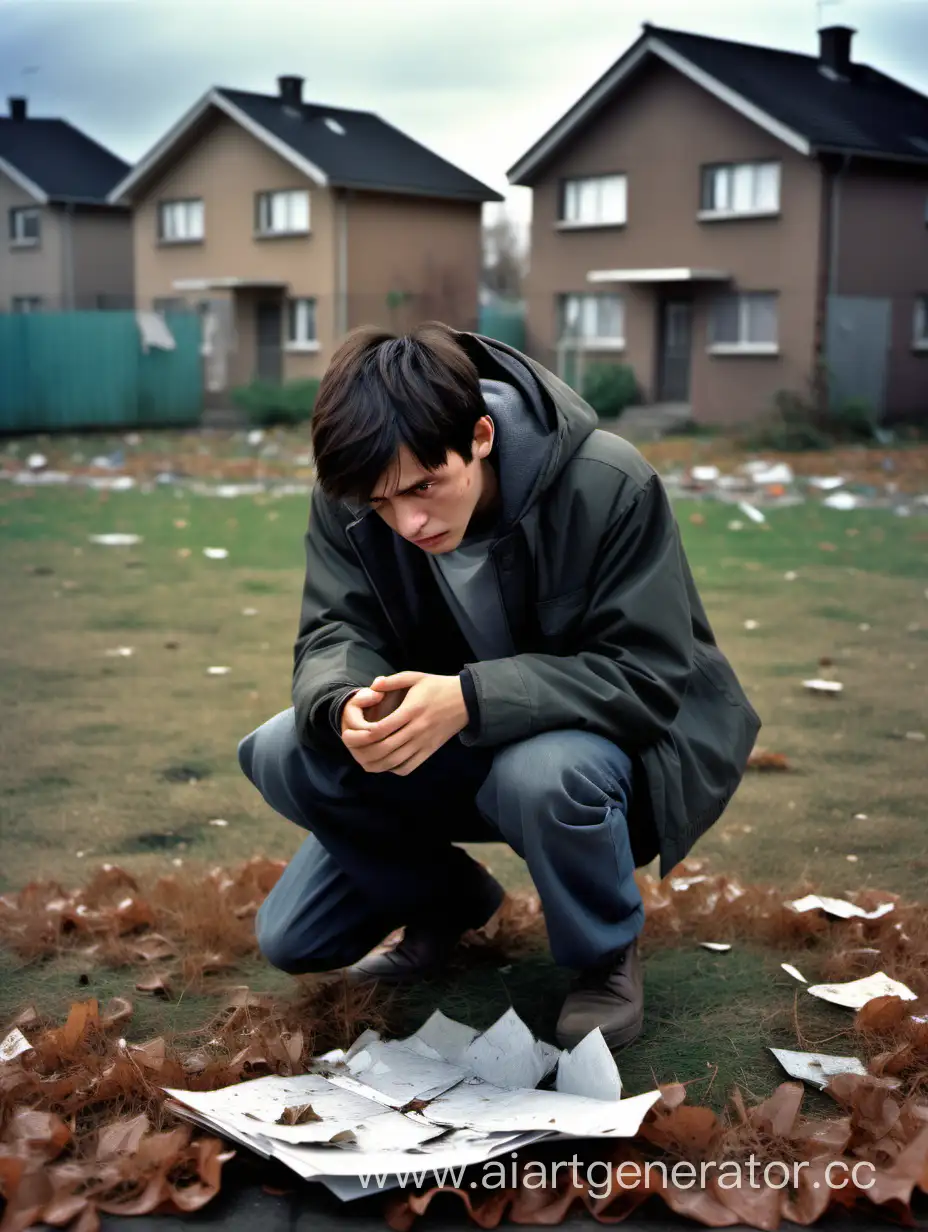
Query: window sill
734, 215
745, 348
25, 244
163, 243
561, 225
282, 235
593, 344
301, 348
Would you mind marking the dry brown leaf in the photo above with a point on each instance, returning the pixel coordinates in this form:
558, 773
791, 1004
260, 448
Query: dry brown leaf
762, 759
298, 1114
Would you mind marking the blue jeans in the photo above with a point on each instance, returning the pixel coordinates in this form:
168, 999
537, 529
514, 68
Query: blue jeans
380, 851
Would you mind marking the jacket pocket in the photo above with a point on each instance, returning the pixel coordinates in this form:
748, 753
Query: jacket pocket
559, 617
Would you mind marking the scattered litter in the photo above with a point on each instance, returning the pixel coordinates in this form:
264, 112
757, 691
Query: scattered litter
255, 436
736, 525
116, 540
817, 1068
864, 628
249, 611
845, 501
918, 736
751, 625
120, 652
855, 994
219, 821
177, 862
751, 512
823, 686
790, 576
36, 461
717, 947
218, 671
825, 483
762, 760
839, 907
216, 553
861, 816
794, 972
14, 1046
765, 473
852, 859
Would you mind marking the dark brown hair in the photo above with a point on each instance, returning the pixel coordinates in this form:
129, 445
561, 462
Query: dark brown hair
381, 391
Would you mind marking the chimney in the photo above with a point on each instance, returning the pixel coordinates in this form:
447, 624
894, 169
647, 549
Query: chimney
835, 49
17, 109
291, 90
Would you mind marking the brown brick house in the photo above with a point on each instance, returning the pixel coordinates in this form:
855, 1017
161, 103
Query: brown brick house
287, 223
64, 246
731, 220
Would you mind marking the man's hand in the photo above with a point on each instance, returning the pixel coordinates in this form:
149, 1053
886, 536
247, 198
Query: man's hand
430, 712
360, 714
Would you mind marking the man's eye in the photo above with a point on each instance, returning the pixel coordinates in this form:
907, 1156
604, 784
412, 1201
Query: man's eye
425, 486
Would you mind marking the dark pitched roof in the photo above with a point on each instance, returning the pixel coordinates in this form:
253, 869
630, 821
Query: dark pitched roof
370, 153
869, 113
63, 162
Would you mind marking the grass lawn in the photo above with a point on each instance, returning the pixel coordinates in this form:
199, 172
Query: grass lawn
128, 758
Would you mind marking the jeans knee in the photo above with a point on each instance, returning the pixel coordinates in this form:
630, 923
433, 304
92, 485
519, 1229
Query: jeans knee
267, 748
277, 945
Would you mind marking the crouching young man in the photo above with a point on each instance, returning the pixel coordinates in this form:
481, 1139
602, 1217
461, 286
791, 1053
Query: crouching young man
500, 640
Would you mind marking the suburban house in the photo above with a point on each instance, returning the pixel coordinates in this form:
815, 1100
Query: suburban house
66, 246
734, 221
287, 223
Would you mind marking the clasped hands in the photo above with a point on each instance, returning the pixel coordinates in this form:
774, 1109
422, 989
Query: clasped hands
401, 720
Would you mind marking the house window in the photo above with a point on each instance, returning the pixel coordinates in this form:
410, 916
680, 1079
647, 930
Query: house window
920, 336
594, 320
25, 227
169, 303
740, 190
181, 222
301, 329
598, 201
744, 323
283, 213
26, 303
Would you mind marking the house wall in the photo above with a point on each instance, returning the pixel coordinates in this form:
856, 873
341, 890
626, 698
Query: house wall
227, 167
428, 251
882, 250
28, 271
660, 131
102, 254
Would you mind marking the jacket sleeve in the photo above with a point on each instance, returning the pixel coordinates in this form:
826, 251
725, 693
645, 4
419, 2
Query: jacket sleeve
634, 642
343, 638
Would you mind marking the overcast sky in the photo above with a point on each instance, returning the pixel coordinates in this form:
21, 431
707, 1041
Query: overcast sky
476, 80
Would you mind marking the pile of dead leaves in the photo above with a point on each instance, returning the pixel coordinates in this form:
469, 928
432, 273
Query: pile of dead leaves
83, 1127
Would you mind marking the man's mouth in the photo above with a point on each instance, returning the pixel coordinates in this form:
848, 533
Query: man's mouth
429, 540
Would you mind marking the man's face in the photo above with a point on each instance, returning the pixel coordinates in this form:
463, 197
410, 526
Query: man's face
432, 509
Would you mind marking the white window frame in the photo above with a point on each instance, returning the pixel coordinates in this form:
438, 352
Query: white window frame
302, 324
589, 193
182, 221
745, 345
586, 308
750, 176
278, 214
20, 215
920, 324
26, 304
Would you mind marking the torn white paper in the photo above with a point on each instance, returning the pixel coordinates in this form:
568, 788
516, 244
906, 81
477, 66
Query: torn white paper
796, 974
449, 1039
508, 1055
116, 540
817, 1068
482, 1106
215, 553
839, 907
717, 947
14, 1046
589, 1070
823, 686
855, 994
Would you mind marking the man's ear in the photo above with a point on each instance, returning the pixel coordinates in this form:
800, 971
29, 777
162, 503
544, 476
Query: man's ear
484, 436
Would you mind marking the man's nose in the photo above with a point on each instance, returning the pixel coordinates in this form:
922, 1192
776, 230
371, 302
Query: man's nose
411, 522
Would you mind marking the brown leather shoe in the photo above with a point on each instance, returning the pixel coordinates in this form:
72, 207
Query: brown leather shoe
610, 997
426, 948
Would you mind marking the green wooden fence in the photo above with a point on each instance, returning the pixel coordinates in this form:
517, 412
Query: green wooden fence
74, 370
504, 321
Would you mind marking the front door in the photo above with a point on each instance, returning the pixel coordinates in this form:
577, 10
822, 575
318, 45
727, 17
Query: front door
676, 333
268, 331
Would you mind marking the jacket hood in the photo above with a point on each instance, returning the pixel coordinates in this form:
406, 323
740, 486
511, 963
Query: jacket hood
540, 421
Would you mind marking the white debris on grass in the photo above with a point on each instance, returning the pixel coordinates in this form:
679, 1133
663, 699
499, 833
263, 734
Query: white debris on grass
218, 671
823, 686
216, 553
116, 540
13, 1046
817, 1068
717, 947
855, 994
120, 652
839, 907
794, 972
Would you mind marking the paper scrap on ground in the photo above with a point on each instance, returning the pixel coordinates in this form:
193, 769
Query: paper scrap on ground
823, 686
717, 947
857, 993
14, 1046
817, 1068
794, 972
448, 1095
839, 907
215, 553
116, 540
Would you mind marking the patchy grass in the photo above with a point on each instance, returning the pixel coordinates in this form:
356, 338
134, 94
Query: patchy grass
128, 759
